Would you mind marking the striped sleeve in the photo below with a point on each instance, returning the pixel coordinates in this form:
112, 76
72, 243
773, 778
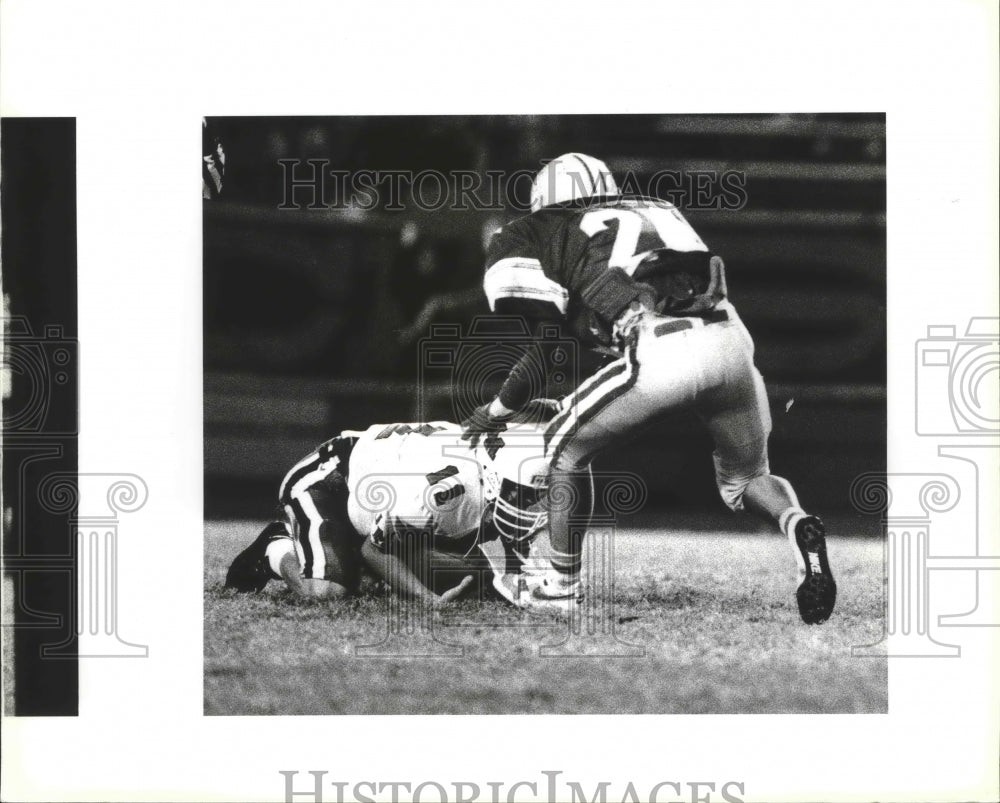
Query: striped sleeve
514, 271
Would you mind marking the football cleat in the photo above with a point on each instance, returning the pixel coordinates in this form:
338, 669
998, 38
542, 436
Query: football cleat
555, 592
249, 570
817, 591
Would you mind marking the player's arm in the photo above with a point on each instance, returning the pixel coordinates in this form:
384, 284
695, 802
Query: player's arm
392, 570
395, 573
516, 286
519, 389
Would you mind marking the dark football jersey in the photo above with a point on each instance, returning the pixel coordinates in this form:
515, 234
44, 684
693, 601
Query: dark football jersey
547, 264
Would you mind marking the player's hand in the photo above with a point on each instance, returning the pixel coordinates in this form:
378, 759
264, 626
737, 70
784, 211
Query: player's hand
481, 423
626, 328
541, 410
453, 594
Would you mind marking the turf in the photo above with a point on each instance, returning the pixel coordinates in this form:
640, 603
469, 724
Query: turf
702, 623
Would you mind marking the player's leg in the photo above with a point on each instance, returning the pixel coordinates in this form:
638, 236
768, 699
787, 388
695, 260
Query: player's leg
251, 569
609, 409
331, 560
314, 492
570, 508
739, 419
571, 437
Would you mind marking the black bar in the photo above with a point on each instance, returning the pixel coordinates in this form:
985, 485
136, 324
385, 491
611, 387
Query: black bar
38, 204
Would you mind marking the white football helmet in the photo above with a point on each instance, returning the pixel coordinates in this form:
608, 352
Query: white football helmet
515, 480
571, 177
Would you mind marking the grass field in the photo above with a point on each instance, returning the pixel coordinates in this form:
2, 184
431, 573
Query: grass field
713, 614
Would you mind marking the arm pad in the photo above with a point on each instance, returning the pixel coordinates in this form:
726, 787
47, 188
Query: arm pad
612, 292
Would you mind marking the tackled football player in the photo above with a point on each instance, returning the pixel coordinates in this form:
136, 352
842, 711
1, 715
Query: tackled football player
411, 504
629, 273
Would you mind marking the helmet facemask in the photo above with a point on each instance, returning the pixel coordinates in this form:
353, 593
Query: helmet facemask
519, 511
515, 483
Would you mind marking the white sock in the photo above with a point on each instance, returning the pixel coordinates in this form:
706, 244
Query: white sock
787, 521
275, 551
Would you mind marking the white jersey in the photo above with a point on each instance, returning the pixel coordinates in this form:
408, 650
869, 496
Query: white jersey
420, 476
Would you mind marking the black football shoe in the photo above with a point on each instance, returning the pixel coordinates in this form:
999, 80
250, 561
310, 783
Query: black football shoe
817, 593
249, 571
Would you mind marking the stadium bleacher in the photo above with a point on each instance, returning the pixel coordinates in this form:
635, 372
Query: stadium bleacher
303, 308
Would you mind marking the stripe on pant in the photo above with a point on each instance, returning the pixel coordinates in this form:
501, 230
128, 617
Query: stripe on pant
302, 531
293, 517
585, 391
315, 544
306, 479
299, 470
596, 399
309, 520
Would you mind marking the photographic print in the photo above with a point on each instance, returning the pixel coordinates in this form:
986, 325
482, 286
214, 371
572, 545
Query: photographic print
553, 403
587, 390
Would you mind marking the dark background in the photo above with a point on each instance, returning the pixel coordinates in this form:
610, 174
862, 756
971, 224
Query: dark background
40, 405
312, 317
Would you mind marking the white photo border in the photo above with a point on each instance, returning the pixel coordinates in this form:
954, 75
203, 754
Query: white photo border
139, 78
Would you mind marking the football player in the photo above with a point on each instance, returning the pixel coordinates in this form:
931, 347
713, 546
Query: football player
630, 273
410, 502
